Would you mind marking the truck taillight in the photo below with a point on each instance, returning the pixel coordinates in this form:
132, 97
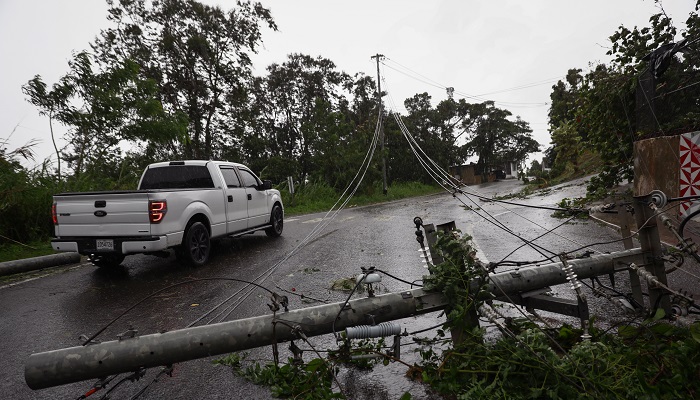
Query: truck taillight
157, 210
54, 216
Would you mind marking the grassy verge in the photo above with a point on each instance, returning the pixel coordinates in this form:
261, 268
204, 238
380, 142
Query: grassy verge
317, 197
13, 251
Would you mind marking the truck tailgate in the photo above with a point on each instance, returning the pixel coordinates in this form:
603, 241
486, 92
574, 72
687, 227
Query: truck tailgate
102, 214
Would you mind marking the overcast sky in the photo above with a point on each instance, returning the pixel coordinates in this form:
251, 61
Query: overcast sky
481, 48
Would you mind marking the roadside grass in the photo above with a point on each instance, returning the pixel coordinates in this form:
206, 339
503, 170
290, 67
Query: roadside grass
318, 197
14, 251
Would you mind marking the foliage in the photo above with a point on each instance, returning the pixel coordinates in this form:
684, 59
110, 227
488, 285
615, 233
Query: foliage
574, 207
318, 196
659, 362
102, 110
652, 360
25, 198
568, 148
452, 131
454, 277
497, 139
312, 380
300, 119
10, 251
606, 109
198, 57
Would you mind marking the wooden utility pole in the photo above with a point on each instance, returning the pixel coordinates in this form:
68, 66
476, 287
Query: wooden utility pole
379, 57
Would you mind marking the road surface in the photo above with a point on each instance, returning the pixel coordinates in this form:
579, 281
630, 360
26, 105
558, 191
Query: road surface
53, 311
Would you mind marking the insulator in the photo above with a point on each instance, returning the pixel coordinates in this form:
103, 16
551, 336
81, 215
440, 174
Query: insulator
373, 331
680, 310
648, 276
659, 198
605, 208
369, 278
489, 314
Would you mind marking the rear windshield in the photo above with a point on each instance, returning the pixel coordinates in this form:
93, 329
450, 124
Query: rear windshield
177, 177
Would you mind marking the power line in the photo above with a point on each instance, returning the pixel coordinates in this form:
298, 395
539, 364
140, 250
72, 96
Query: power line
428, 81
525, 86
325, 221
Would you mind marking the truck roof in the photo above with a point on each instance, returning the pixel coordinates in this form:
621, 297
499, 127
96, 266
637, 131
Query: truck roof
193, 162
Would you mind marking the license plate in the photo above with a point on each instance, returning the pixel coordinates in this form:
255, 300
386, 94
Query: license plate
105, 244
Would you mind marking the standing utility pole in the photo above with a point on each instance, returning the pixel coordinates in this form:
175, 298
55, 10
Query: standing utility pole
379, 57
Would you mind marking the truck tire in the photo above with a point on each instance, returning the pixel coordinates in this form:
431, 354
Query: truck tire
106, 260
196, 246
277, 221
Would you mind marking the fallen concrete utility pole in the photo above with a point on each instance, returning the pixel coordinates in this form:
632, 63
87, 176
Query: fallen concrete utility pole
36, 263
58, 367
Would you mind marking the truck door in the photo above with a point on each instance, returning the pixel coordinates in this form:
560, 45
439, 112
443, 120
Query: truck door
236, 200
258, 212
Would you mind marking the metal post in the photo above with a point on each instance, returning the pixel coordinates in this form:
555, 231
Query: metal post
626, 232
651, 245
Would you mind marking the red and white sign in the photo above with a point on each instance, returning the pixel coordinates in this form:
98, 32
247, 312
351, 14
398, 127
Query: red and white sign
689, 182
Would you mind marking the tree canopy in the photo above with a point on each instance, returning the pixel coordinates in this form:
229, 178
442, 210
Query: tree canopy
173, 79
629, 98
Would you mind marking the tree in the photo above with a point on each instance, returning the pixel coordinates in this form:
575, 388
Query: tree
497, 139
437, 130
101, 109
455, 130
568, 143
564, 96
518, 143
300, 121
53, 104
198, 56
535, 168
605, 106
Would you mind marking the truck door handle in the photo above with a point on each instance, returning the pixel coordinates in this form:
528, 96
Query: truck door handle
230, 198
250, 197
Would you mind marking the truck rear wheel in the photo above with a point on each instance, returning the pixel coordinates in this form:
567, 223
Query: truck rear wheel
277, 221
196, 246
106, 260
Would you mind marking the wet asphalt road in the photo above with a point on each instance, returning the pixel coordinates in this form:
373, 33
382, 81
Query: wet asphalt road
52, 311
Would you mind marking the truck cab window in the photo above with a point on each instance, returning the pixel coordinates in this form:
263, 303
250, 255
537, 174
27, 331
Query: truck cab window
177, 177
230, 177
249, 180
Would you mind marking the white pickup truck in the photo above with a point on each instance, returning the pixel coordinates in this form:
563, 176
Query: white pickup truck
179, 204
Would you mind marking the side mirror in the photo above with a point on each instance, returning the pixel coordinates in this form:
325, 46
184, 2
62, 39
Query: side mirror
266, 185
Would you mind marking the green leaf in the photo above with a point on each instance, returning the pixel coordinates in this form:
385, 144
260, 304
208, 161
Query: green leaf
627, 331
695, 331
662, 329
660, 313
315, 364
